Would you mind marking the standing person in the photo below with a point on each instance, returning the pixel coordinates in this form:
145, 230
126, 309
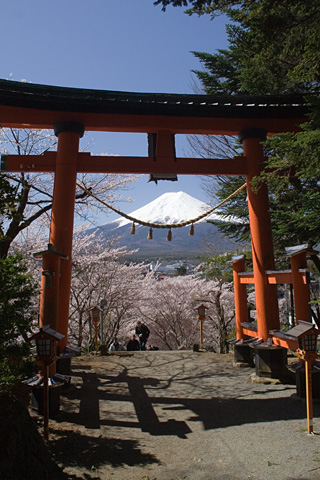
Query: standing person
143, 333
133, 344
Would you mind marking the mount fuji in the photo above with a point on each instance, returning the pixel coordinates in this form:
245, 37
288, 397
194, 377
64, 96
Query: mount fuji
170, 208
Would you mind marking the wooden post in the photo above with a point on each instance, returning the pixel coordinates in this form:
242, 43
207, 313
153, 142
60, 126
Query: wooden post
201, 333
96, 335
45, 406
309, 359
101, 328
240, 296
308, 367
49, 290
301, 289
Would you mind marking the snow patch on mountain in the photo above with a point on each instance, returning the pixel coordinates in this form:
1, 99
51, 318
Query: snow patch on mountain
172, 207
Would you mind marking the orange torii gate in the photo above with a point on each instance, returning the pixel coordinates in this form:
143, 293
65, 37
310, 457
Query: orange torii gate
71, 111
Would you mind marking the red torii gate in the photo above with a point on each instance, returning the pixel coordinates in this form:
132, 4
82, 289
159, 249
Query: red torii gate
70, 112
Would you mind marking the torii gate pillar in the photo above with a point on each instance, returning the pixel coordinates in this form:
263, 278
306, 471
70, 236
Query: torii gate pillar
62, 216
240, 296
301, 288
261, 234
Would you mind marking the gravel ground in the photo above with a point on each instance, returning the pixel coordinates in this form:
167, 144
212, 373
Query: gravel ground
180, 416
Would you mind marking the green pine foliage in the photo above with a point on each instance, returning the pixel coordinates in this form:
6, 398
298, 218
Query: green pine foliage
274, 44
219, 268
17, 289
220, 74
274, 48
7, 200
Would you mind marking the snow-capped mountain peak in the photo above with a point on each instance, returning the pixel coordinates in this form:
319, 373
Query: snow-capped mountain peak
169, 208
172, 207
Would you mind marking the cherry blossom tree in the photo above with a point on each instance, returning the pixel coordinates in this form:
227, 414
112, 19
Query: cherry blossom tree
127, 292
168, 309
27, 197
221, 314
102, 277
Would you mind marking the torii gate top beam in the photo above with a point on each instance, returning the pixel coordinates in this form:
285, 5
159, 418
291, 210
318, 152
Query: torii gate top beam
24, 105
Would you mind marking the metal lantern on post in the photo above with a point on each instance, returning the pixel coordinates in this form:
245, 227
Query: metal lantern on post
201, 311
46, 344
306, 335
308, 344
95, 316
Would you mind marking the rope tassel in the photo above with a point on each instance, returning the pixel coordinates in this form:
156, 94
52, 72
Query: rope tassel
169, 236
133, 229
191, 229
150, 235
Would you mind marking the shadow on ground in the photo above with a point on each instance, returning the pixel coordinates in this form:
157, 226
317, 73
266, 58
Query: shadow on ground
77, 450
161, 401
217, 412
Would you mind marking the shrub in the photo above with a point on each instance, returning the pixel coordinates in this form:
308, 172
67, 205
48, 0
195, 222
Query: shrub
16, 314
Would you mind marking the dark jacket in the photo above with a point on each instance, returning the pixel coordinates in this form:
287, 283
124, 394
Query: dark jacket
133, 345
143, 331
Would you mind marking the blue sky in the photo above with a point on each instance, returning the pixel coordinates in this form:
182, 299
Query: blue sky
124, 45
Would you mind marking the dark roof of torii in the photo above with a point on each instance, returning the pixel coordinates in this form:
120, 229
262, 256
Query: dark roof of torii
76, 99
90, 102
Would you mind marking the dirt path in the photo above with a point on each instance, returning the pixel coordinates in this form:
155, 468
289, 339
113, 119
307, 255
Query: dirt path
180, 415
